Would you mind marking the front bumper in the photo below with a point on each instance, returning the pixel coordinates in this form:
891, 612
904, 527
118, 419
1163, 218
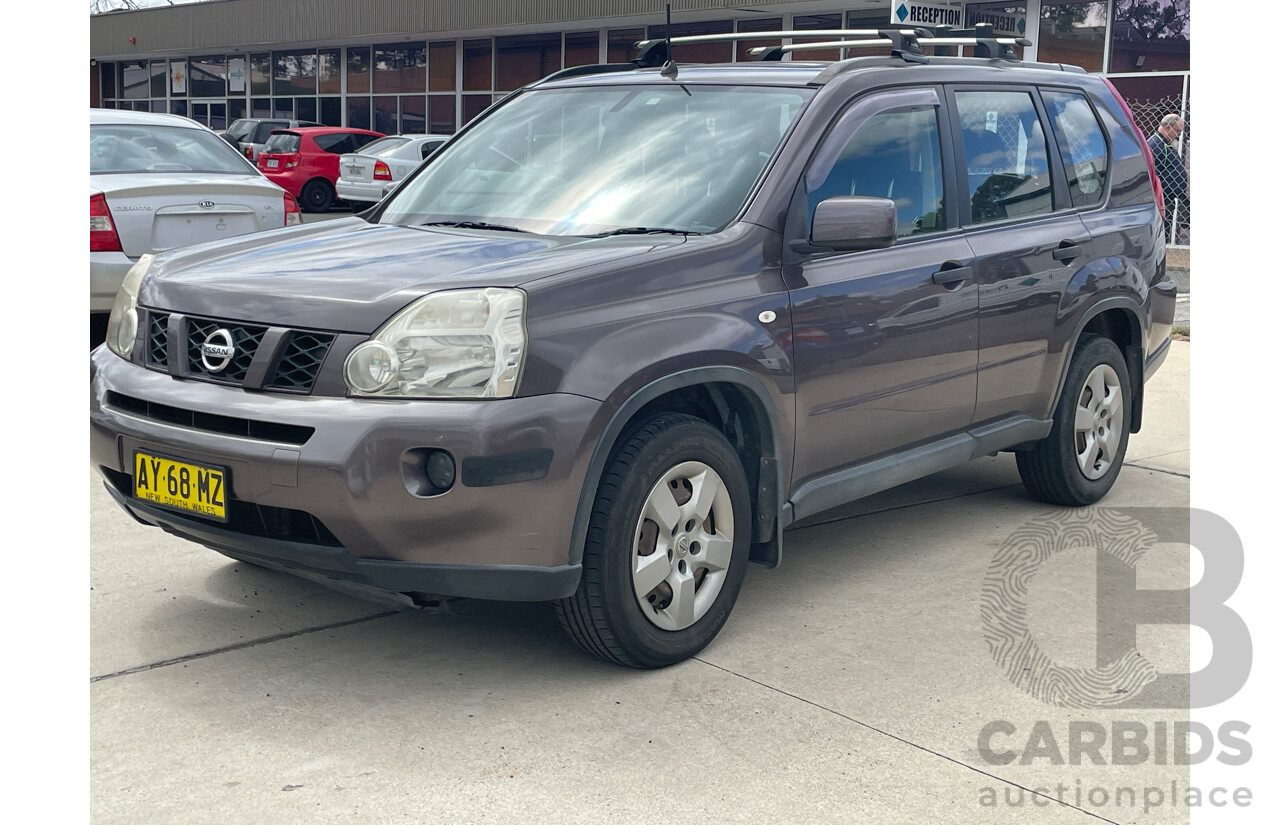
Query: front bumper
338, 505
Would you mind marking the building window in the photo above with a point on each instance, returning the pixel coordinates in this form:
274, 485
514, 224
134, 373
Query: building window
398, 69
135, 79
622, 44
473, 105
358, 112
159, 78
1073, 33
581, 49
331, 111
207, 77
1151, 36
442, 67
386, 115
260, 75
295, 73
442, 113
359, 69
477, 66
413, 115
330, 71
525, 58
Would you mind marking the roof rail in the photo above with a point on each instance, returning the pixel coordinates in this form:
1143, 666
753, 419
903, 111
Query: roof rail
907, 43
595, 68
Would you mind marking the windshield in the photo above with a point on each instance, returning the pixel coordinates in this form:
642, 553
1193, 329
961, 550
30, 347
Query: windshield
583, 161
120, 148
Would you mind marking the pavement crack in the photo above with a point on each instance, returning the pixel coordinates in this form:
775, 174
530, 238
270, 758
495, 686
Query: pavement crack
1158, 470
906, 742
240, 646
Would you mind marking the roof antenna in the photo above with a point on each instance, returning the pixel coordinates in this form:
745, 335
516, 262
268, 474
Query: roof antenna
669, 69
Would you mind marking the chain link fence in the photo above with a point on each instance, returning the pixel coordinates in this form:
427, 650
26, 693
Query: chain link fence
1148, 113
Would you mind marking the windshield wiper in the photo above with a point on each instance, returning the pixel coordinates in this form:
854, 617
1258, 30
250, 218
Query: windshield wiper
643, 230
476, 225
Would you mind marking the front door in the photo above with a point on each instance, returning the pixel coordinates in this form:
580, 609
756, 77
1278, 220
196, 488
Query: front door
885, 341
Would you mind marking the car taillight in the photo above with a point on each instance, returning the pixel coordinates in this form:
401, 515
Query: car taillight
248, 152
102, 230
292, 160
292, 214
1146, 150
381, 171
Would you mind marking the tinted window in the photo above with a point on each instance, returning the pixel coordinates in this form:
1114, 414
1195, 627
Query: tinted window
1004, 150
240, 129
361, 140
1081, 144
894, 154
429, 147
263, 131
160, 149
282, 143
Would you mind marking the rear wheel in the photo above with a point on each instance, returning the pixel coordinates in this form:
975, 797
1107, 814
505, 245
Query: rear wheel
1079, 461
666, 547
316, 196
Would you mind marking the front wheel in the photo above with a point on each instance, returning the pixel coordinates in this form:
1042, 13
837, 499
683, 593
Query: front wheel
666, 548
316, 196
1079, 461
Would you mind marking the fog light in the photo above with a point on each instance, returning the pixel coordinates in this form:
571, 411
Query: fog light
441, 470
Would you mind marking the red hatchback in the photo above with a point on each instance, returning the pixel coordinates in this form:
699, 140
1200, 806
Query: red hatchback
305, 161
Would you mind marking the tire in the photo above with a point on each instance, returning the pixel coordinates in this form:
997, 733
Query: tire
667, 469
1080, 459
316, 196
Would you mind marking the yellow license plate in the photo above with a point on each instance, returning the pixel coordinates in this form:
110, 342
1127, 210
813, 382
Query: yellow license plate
194, 488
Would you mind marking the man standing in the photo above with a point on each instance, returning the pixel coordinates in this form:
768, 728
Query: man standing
1171, 170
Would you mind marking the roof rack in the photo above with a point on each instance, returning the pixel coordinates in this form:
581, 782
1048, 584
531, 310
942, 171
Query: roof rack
907, 43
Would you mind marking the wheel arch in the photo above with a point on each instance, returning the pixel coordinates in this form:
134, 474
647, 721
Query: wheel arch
737, 403
1119, 319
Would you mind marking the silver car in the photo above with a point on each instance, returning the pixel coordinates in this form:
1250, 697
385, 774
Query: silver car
158, 182
364, 178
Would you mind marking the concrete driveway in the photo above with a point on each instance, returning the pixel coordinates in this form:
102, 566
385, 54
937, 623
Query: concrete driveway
852, 684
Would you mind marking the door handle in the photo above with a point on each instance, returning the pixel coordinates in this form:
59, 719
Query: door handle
952, 274
1067, 251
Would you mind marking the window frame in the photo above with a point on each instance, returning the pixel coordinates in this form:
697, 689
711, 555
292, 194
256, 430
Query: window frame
1104, 201
840, 130
1059, 192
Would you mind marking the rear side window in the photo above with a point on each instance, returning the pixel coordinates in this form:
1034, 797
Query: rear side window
1081, 144
894, 154
358, 140
1005, 155
336, 144
429, 147
282, 144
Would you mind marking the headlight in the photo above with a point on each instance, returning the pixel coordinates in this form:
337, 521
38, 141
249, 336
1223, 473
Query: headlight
122, 327
466, 343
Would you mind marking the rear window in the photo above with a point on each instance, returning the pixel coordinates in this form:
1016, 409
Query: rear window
159, 149
385, 147
263, 133
282, 144
240, 129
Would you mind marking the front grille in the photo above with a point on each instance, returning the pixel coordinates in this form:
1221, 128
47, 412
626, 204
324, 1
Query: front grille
298, 366
210, 422
244, 338
248, 519
158, 340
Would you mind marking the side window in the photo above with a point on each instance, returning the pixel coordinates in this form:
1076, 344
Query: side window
429, 147
357, 140
1081, 144
335, 144
1004, 152
894, 154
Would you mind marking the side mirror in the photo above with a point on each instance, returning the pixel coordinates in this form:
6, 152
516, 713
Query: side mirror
853, 223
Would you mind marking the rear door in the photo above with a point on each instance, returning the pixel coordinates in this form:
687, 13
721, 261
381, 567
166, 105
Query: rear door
1027, 239
885, 347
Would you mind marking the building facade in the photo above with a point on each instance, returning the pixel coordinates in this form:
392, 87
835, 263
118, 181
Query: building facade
431, 66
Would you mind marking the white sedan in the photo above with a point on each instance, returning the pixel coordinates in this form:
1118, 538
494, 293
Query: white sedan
364, 178
158, 182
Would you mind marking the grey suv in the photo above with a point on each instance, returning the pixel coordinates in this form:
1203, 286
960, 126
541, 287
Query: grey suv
250, 134
606, 345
